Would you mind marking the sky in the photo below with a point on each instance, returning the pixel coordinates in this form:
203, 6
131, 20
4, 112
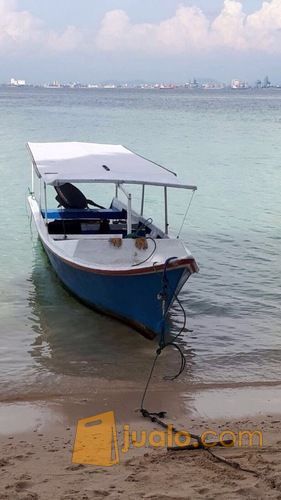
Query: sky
149, 40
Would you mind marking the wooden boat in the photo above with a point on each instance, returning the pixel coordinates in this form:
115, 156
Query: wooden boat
113, 259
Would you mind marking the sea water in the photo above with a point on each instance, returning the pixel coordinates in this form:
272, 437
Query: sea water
226, 142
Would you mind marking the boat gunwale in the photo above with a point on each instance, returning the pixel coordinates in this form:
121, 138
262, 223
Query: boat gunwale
176, 264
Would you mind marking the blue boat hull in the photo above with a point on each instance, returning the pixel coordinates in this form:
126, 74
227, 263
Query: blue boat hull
132, 298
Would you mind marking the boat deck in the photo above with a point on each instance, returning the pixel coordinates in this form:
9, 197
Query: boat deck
101, 252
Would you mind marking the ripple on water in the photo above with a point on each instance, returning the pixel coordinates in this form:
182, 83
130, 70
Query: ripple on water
233, 305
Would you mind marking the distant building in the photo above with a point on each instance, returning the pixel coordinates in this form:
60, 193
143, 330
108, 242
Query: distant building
213, 85
239, 84
192, 84
17, 83
266, 83
54, 85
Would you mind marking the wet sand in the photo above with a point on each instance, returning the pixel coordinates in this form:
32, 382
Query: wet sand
37, 439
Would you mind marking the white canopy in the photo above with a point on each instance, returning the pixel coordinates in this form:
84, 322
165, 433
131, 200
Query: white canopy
61, 162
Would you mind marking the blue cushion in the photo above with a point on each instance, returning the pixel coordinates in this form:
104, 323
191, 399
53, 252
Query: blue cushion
70, 213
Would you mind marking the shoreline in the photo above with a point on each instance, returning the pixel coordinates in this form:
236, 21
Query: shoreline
214, 400
92, 384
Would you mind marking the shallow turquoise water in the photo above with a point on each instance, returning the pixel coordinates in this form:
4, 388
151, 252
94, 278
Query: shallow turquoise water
228, 144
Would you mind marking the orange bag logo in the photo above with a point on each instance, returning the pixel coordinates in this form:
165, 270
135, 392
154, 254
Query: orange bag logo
96, 441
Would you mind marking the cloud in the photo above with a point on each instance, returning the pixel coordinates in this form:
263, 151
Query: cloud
20, 30
67, 41
190, 30
229, 28
265, 26
17, 28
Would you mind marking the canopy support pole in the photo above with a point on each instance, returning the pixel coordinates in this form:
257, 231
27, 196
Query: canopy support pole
129, 209
45, 199
142, 199
129, 216
40, 193
116, 191
166, 211
32, 178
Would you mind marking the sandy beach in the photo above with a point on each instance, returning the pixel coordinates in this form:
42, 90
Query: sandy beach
37, 440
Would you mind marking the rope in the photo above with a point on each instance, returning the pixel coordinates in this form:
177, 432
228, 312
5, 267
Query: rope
182, 364
149, 257
187, 210
162, 341
156, 417
135, 233
231, 463
148, 381
142, 226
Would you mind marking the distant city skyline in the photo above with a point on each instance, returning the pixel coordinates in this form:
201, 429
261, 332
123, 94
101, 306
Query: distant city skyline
163, 40
193, 83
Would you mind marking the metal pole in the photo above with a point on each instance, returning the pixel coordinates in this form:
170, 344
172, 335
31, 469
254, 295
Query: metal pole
129, 210
166, 210
40, 194
46, 210
32, 179
129, 215
142, 199
116, 191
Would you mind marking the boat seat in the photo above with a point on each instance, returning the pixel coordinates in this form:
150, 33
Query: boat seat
69, 196
70, 213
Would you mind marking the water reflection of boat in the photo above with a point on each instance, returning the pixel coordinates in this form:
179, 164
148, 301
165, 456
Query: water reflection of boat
112, 259
74, 341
